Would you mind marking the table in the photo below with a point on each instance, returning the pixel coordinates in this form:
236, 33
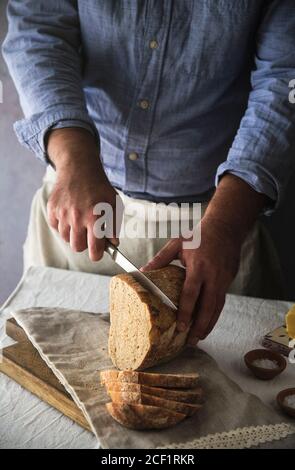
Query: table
27, 422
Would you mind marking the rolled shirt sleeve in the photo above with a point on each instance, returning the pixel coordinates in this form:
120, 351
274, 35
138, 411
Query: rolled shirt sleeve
263, 151
42, 51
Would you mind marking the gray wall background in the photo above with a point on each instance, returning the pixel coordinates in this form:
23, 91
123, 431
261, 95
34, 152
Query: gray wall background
20, 176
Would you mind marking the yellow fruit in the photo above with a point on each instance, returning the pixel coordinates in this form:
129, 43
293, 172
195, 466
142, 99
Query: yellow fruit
290, 322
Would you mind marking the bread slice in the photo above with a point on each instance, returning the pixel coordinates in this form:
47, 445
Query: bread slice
143, 416
152, 379
143, 329
193, 395
141, 398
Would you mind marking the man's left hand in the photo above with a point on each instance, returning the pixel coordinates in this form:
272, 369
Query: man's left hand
210, 269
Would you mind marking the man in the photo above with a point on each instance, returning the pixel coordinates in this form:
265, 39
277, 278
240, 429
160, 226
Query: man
159, 101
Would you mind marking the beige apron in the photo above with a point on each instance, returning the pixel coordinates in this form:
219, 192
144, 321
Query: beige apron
259, 273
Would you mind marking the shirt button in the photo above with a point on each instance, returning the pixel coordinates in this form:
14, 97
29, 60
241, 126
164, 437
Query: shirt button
154, 44
133, 156
144, 104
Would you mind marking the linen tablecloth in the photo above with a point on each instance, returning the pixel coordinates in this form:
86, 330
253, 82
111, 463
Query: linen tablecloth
23, 416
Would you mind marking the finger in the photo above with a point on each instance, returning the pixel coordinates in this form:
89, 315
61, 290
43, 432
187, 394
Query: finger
118, 212
64, 230
109, 228
218, 309
78, 238
95, 245
164, 257
52, 219
115, 241
205, 311
188, 298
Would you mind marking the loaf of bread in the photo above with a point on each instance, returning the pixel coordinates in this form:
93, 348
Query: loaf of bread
143, 416
138, 398
143, 329
192, 395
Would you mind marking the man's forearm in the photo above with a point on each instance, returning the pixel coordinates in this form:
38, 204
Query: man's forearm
73, 150
235, 205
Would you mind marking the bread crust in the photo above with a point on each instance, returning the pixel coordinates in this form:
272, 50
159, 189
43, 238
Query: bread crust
143, 416
151, 379
193, 395
144, 399
153, 323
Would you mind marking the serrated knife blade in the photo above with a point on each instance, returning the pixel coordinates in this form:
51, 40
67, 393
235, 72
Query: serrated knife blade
129, 267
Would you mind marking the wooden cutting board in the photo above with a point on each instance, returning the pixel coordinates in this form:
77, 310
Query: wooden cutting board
22, 363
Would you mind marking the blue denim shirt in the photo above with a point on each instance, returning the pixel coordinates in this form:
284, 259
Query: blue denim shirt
177, 91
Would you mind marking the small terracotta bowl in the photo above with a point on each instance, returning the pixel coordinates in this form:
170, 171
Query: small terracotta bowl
280, 400
261, 372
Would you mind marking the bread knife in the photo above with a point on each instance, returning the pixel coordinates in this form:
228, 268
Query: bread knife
128, 267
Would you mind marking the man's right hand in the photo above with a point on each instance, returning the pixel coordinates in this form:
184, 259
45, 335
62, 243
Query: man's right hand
81, 184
